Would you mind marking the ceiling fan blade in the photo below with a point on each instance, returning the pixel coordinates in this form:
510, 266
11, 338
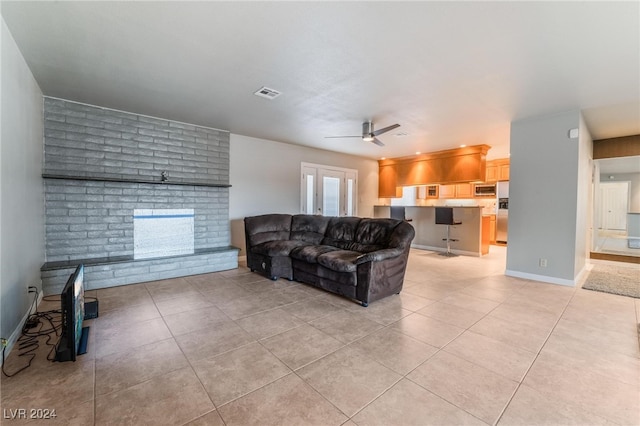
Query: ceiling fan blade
385, 129
339, 137
377, 142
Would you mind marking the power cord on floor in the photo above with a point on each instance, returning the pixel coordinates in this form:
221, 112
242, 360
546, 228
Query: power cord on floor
50, 324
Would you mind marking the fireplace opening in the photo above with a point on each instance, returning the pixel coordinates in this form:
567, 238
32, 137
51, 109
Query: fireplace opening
162, 232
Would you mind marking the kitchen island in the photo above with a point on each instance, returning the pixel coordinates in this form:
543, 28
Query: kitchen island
472, 234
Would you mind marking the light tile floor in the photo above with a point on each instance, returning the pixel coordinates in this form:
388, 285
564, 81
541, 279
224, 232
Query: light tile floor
462, 344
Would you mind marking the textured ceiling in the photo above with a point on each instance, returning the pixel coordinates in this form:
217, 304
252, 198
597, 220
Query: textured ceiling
449, 73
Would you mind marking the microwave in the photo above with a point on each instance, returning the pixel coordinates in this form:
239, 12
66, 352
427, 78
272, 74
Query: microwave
484, 190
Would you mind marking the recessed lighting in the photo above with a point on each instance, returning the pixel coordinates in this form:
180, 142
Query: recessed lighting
383, 158
462, 146
401, 134
418, 153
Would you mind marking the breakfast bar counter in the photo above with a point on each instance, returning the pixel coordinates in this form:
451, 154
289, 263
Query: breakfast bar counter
429, 236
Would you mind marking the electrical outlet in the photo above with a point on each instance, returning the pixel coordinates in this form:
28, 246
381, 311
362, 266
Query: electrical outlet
542, 263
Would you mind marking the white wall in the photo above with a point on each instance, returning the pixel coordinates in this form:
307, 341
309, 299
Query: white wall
21, 186
548, 198
265, 178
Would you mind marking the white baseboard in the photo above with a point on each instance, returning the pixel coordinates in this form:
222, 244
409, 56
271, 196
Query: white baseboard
541, 278
18, 331
582, 274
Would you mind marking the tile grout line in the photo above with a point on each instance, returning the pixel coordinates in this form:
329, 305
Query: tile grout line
95, 386
460, 291
442, 349
258, 341
173, 337
521, 382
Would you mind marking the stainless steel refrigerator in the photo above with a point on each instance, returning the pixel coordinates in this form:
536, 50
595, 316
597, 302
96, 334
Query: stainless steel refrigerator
502, 212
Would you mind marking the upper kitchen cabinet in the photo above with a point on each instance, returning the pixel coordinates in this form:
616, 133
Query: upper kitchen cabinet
458, 190
428, 191
458, 165
497, 170
503, 171
388, 182
463, 167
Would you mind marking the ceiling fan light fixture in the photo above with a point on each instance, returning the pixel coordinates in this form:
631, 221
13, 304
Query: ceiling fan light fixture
368, 134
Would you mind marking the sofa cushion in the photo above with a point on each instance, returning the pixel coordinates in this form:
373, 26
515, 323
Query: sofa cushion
277, 248
341, 232
309, 228
268, 227
373, 234
310, 254
339, 260
336, 281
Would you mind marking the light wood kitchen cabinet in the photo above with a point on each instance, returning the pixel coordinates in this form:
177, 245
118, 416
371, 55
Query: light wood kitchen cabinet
388, 182
447, 191
485, 235
449, 166
497, 170
492, 172
492, 228
464, 190
503, 172
459, 190
428, 191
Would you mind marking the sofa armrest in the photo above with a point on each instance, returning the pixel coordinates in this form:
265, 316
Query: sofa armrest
379, 255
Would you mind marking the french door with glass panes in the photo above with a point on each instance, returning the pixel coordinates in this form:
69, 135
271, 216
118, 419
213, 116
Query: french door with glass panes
328, 191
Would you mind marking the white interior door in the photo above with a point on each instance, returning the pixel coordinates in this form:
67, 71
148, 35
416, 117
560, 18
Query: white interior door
614, 197
328, 191
331, 193
308, 190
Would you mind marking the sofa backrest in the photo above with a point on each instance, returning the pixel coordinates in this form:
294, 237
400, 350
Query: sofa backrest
341, 232
402, 236
374, 234
346, 233
268, 227
309, 228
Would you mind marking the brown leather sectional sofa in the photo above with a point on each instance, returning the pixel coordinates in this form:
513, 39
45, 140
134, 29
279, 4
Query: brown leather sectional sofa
363, 259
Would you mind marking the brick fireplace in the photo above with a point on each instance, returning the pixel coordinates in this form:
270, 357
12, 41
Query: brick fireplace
101, 166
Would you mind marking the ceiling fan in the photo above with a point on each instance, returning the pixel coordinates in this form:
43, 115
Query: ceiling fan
368, 134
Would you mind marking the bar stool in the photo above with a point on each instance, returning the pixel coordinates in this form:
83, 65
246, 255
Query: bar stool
444, 216
397, 212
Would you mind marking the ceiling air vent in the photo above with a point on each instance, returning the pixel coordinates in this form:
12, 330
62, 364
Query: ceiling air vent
265, 92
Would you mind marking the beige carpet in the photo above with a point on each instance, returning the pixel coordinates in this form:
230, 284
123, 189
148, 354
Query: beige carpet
624, 281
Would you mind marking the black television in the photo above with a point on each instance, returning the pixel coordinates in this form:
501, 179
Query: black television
73, 339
